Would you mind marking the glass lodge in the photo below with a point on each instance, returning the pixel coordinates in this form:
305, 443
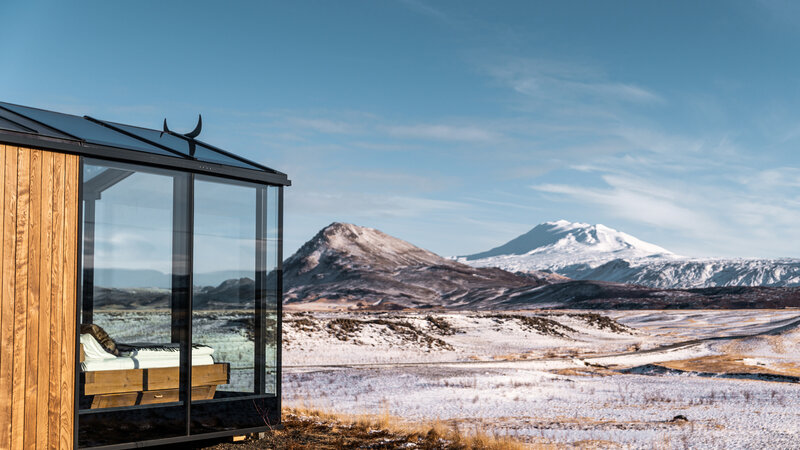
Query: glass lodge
141, 291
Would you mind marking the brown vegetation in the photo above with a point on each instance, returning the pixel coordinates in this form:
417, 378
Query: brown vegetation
729, 364
345, 328
313, 429
540, 324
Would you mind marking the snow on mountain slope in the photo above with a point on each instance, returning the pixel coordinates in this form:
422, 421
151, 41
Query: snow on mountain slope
561, 239
595, 252
694, 272
557, 245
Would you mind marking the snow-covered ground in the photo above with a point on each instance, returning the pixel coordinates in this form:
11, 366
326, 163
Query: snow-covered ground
568, 378
614, 378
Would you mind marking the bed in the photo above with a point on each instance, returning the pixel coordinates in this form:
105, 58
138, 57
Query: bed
117, 375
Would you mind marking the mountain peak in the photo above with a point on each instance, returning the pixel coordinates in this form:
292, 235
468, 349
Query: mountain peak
574, 239
363, 266
354, 245
356, 240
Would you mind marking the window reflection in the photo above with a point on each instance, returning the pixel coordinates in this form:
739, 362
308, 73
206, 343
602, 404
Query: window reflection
224, 278
129, 354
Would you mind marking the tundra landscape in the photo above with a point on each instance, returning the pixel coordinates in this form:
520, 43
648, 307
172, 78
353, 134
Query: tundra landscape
400, 224
388, 327
376, 327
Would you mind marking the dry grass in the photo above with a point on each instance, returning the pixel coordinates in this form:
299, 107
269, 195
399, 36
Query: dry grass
585, 372
728, 364
436, 434
310, 428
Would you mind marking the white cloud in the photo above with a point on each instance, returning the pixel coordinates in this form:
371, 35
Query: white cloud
442, 132
558, 81
363, 205
324, 125
642, 203
427, 10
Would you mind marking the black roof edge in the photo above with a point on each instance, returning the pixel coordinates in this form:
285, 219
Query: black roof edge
113, 126
237, 157
83, 148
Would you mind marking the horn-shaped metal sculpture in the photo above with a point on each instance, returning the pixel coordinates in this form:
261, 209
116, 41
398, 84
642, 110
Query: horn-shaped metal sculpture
196, 132
190, 135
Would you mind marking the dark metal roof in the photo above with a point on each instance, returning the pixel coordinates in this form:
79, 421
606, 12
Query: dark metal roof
39, 128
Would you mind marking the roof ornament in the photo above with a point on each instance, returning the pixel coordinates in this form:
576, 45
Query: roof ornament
190, 135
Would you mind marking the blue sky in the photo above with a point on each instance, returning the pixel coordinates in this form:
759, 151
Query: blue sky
458, 125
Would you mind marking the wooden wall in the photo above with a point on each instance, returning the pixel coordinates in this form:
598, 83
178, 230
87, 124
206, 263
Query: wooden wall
37, 303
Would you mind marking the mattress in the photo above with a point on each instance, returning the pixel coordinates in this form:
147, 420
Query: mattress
128, 362
139, 356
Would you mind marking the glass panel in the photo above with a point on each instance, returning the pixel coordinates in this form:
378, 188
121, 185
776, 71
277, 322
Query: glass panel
165, 139
202, 152
224, 279
90, 171
85, 129
234, 304
8, 125
132, 287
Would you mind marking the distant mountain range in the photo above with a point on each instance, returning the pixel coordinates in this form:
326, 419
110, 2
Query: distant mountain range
595, 252
234, 293
353, 267
148, 278
345, 265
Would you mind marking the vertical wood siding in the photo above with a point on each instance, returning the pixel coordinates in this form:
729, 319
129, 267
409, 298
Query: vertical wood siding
39, 193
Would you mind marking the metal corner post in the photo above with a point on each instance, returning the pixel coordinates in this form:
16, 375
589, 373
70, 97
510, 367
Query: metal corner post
260, 364
279, 325
78, 305
182, 261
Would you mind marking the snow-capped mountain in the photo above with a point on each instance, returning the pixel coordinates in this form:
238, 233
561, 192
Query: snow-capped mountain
558, 245
595, 252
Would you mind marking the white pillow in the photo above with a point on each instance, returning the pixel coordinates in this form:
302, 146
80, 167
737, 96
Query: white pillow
92, 349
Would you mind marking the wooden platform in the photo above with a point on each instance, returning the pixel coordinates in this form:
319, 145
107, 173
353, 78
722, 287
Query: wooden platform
113, 388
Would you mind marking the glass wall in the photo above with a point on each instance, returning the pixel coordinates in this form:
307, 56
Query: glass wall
224, 303
130, 279
234, 309
179, 282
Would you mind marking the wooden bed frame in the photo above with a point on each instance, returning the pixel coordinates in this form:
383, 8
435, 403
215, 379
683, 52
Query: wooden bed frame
129, 387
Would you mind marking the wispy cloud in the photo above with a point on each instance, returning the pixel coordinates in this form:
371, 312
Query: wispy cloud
555, 80
442, 132
425, 9
641, 202
322, 125
363, 205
